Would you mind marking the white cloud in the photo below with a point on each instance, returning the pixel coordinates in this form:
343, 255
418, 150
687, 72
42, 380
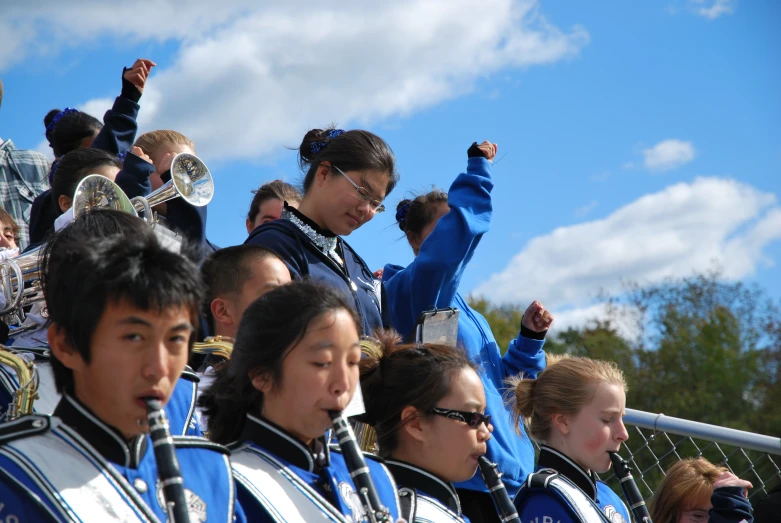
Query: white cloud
712, 9
623, 319
580, 212
685, 228
248, 79
667, 155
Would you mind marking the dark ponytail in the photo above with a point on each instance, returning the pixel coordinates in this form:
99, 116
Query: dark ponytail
66, 129
349, 150
270, 328
413, 215
396, 376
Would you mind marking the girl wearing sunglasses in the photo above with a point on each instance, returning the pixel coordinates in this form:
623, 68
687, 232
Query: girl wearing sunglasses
348, 174
574, 409
294, 361
427, 405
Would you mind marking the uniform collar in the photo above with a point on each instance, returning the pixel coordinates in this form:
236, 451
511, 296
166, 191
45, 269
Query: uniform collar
283, 444
410, 476
308, 221
107, 440
551, 458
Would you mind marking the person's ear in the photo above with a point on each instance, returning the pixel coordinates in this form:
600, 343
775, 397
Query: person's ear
262, 382
62, 349
411, 424
414, 241
562, 423
323, 170
222, 312
65, 202
250, 226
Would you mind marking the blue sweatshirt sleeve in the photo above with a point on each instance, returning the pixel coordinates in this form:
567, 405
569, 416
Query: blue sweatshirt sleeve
432, 279
133, 179
524, 355
119, 127
729, 506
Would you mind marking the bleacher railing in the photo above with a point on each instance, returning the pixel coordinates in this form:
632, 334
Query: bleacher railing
656, 441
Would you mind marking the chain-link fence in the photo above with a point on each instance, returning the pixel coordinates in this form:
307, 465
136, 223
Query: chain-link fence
657, 441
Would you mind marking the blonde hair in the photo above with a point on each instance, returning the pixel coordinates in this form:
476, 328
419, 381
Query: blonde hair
153, 141
687, 483
567, 384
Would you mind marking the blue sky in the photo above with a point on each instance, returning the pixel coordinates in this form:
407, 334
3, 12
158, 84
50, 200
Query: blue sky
637, 141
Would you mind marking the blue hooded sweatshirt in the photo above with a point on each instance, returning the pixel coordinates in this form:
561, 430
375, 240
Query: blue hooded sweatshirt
432, 280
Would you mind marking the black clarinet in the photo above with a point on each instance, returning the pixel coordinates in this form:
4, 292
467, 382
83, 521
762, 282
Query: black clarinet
493, 480
168, 470
631, 493
353, 457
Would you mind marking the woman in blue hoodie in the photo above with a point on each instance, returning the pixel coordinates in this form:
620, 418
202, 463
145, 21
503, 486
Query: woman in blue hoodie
348, 175
443, 231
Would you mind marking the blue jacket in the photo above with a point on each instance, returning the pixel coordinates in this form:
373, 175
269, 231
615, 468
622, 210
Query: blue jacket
538, 503
432, 280
305, 259
273, 470
116, 137
73, 463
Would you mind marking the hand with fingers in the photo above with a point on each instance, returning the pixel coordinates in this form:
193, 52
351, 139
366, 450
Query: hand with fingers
536, 318
728, 479
138, 73
486, 149
137, 151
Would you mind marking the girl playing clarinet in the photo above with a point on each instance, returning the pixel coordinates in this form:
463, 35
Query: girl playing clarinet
574, 410
294, 363
427, 405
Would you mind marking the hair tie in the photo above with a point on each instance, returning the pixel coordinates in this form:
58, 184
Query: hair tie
53, 124
401, 212
121, 157
316, 147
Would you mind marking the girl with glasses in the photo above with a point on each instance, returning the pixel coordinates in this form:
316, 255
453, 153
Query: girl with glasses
697, 491
295, 360
347, 176
444, 230
427, 405
574, 409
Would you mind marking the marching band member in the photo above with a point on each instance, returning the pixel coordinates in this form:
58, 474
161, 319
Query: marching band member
444, 230
180, 409
294, 362
348, 174
122, 309
427, 404
72, 129
268, 202
574, 409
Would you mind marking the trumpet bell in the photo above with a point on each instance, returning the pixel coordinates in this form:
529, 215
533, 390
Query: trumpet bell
98, 192
192, 179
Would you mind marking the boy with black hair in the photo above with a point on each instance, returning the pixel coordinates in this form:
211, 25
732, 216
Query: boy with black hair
122, 310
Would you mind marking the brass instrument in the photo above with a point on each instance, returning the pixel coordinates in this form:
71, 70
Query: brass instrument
218, 346
27, 374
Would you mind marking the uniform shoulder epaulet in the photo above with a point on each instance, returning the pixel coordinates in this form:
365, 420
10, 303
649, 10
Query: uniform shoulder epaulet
197, 442
25, 426
541, 478
189, 374
373, 457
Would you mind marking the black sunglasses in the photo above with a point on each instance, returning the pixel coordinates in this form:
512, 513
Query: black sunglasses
473, 419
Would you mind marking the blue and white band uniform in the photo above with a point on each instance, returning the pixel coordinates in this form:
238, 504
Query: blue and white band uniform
424, 497
180, 409
562, 492
73, 467
281, 479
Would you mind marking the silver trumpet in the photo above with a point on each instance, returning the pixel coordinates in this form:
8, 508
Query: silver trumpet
20, 277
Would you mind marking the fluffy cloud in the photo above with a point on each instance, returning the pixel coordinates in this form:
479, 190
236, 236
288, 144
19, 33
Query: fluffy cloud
248, 79
712, 9
667, 155
686, 227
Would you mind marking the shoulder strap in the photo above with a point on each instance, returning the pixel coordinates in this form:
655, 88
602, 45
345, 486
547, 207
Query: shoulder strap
407, 503
582, 506
190, 375
196, 442
24, 426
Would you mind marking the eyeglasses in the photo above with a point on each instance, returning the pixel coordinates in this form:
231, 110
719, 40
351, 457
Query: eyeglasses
376, 205
473, 419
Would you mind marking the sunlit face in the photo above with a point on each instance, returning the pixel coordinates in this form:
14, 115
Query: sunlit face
268, 211
341, 209
8, 240
319, 374
174, 148
597, 429
135, 353
441, 210
451, 446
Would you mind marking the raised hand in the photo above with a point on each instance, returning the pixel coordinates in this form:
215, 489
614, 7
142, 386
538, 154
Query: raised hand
536, 318
728, 479
139, 72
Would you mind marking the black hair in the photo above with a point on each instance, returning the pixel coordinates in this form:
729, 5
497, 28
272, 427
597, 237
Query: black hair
109, 257
270, 328
74, 167
396, 376
350, 151
227, 270
414, 214
66, 135
276, 189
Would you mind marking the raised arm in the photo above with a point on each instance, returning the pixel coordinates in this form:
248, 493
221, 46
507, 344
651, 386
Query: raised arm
525, 354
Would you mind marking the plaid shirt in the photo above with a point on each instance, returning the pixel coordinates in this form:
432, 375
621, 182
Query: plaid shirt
23, 176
